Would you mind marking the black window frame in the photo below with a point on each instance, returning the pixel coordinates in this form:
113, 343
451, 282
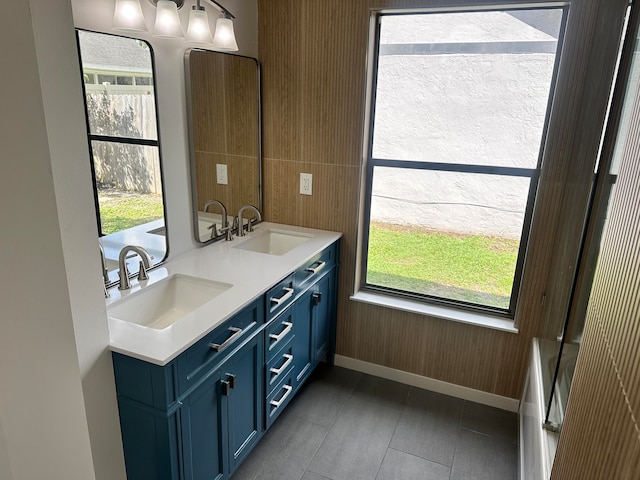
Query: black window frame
532, 173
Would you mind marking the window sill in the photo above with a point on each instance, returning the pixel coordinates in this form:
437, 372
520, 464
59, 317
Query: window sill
472, 318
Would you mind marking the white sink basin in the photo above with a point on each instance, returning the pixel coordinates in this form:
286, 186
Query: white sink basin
161, 305
274, 242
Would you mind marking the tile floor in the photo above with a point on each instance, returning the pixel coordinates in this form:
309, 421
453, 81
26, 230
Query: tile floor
344, 425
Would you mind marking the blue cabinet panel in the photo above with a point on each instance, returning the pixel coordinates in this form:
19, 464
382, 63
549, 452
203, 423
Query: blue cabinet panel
150, 439
303, 334
203, 424
245, 400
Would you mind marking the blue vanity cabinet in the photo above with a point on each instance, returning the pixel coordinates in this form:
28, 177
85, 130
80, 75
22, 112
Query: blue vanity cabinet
222, 417
198, 416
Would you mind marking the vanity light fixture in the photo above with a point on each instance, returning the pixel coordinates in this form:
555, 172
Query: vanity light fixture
128, 16
167, 20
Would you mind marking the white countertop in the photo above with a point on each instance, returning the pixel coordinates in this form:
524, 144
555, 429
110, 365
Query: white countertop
251, 274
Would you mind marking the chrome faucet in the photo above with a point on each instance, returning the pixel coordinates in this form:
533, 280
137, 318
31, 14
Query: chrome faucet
225, 223
123, 273
249, 224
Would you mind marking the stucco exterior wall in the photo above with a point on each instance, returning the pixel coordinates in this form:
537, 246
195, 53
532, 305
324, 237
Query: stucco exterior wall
486, 109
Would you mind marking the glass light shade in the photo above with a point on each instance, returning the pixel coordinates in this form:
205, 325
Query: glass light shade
128, 16
198, 30
167, 20
225, 38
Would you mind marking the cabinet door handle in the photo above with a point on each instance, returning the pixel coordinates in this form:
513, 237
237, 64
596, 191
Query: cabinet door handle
317, 298
278, 371
287, 295
218, 347
275, 404
287, 328
232, 380
315, 269
225, 388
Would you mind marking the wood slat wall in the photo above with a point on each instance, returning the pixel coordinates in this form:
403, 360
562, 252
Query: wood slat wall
313, 59
601, 434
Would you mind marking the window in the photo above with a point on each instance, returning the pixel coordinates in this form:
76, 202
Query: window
459, 108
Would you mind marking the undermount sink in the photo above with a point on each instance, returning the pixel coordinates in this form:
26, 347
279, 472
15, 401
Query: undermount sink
274, 242
162, 304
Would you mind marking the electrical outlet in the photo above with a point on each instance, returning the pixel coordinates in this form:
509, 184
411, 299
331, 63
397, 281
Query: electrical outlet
221, 174
306, 183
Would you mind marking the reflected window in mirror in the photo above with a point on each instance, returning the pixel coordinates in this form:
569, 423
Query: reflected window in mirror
223, 102
122, 127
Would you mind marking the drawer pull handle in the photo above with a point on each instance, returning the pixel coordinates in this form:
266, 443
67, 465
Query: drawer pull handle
315, 269
288, 294
218, 347
287, 328
278, 371
275, 404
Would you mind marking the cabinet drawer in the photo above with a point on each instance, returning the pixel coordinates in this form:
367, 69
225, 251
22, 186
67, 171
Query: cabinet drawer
315, 267
279, 366
278, 333
280, 297
216, 345
279, 398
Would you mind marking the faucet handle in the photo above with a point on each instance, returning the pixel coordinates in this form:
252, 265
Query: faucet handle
214, 230
229, 233
142, 272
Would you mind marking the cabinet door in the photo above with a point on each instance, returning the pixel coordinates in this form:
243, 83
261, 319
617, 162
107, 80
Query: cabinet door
204, 425
303, 333
322, 316
246, 393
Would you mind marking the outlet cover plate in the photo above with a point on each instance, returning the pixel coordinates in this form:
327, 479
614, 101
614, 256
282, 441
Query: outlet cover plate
306, 183
221, 174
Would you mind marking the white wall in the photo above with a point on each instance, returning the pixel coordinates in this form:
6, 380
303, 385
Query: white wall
42, 412
486, 109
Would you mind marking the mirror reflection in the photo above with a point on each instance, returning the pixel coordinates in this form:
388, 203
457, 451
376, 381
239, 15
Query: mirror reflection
122, 127
223, 93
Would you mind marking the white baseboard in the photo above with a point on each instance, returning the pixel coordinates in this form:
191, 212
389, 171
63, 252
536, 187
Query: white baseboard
465, 393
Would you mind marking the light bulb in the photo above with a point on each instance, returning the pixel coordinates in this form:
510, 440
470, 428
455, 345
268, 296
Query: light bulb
167, 20
198, 29
225, 38
128, 16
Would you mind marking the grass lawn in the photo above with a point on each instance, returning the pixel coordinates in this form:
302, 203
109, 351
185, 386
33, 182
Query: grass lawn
471, 268
121, 210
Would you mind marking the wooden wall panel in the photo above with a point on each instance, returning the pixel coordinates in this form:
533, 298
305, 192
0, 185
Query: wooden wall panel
241, 175
313, 59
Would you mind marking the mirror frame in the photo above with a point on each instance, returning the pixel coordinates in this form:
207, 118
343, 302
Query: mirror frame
113, 275
192, 154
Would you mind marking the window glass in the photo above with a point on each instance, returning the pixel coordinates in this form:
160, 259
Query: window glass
460, 105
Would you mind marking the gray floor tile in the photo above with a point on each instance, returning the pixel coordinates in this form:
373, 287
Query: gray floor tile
313, 476
285, 450
490, 421
324, 395
356, 444
428, 426
402, 466
480, 457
